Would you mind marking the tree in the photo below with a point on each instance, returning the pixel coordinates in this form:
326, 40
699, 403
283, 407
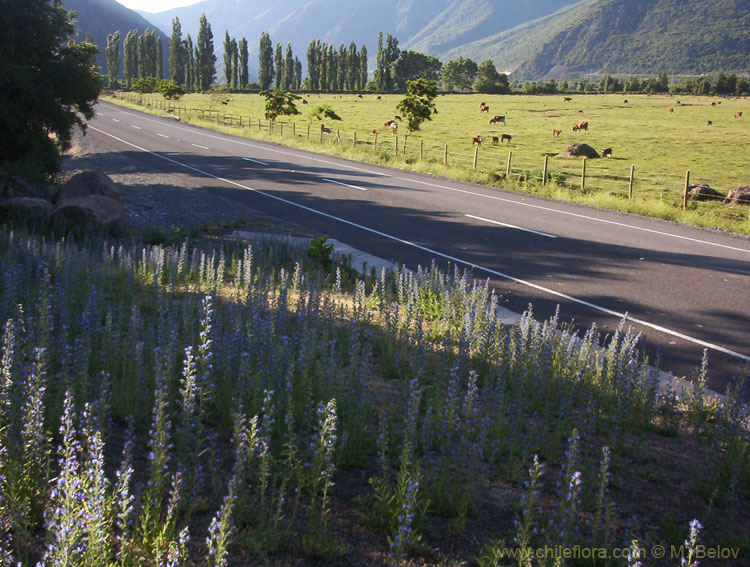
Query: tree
419, 103
363, 67
228, 59
265, 61
177, 54
244, 71
235, 64
412, 65
205, 59
459, 73
324, 111
387, 54
313, 63
113, 58
170, 89
352, 68
279, 103
48, 85
130, 56
297, 73
189, 64
147, 54
288, 68
489, 81
159, 59
278, 60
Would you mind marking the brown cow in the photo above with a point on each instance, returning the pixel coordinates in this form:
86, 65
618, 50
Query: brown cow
484, 109
709, 123
738, 114
397, 117
359, 96
477, 140
556, 133
389, 123
713, 104
607, 152
377, 97
497, 118
670, 110
394, 127
567, 99
324, 129
481, 105
304, 101
625, 101
495, 140
582, 125
504, 137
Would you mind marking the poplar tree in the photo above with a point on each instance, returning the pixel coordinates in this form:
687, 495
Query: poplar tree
147, 54
228, 59
297, 73
112, 52
288, 68
332, 68
189, 64
342, 68
363, 67
177, 54
265, 61
279, 61
205, 59
352, 68
244, 71
130, 56
313, 64
235, 64
159, 59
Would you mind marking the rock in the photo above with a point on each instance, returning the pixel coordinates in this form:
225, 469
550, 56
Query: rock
96, 212
580, 150
88, 183
702, 192
738, 195
15, 187
27, 207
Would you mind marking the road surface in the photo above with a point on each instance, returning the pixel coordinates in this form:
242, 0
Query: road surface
685, 288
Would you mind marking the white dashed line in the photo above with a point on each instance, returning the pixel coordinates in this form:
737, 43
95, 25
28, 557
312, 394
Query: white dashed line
443, 255
344, 184
255, 161
201, 147
136, 127
115, 119
512, 226
162, 135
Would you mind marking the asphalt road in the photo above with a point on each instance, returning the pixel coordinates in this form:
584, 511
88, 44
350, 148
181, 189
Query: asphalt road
684, 288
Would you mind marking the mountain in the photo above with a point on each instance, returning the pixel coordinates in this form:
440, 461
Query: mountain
429, 26
623, 37
103, 17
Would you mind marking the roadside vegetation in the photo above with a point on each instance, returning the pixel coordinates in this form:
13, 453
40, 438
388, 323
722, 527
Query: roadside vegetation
212, 403
662, 146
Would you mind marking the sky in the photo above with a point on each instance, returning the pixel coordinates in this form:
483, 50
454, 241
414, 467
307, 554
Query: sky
155, 6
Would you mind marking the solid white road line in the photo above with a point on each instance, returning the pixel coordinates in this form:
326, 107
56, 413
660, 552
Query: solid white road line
439, 186
512, 226
201, 147
255, 161
136, 127
442, 255
162, 135
344, 184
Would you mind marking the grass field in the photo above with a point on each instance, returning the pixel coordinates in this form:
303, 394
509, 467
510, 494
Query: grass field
661, 145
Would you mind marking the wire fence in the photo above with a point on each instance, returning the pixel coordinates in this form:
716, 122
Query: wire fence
493, 156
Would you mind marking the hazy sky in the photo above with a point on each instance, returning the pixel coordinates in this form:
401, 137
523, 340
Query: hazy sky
154, 6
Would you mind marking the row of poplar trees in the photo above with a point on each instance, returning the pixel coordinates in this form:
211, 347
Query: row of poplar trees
141, 56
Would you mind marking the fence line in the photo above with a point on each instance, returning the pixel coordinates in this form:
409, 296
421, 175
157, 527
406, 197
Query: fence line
545, 169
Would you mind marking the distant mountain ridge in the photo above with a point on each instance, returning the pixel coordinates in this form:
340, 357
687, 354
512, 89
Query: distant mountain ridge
103, 17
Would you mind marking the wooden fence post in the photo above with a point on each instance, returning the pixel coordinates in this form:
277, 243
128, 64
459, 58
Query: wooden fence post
630, 185
338, 136
685, 192
354, 139
308, 131
421, 149
476, 155
321, 135
396, 145
376, 141
544, 171
507, 168
405, 137
583, 175
445, 155
282, 128
294, 129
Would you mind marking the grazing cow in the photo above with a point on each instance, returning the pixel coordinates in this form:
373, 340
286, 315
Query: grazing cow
556, 133
389, 123
497, 118
567, 99
625, 101
505, 137
495, 140
394, 127
373, 131
397, 117
738, 115
304, 101
359, 96
607, 152
324, 129
481, 105
581, 125
709, 123
670, 110
477, 140
713, 104
377, 97
484, 109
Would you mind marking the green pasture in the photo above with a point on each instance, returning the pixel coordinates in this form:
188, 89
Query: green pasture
662, 146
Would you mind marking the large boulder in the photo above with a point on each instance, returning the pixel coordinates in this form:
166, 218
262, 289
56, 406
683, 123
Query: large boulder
739, 195
27, 208
702, 193
580, 150
96, 212
88, 183
15, 187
